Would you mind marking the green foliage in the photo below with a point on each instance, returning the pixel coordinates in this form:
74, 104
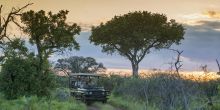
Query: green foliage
14, 48
134, 34
35, 103
62, 81
49, 32
79, 65
19, 77
137, 30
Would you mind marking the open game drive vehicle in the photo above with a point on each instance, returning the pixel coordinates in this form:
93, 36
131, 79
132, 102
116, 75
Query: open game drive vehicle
86, 87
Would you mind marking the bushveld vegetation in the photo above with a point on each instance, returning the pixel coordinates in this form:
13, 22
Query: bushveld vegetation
28, 82
162, 91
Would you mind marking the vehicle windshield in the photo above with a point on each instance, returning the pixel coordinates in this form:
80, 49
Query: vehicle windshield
88, 82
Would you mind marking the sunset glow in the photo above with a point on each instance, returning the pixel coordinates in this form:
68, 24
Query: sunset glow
201, 19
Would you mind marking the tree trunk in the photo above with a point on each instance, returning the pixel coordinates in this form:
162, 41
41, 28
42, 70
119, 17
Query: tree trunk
40, 56
135, 69
218, 67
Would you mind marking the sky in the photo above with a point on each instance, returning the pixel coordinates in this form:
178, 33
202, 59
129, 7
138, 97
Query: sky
201, 19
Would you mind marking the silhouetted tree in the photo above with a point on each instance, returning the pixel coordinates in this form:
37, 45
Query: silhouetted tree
77, 64
135, 34
178, 66
49, 32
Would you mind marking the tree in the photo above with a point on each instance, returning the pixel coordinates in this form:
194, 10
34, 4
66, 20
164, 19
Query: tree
9, 18
49, 32
135, 34
178, 66
19, 73
79, 65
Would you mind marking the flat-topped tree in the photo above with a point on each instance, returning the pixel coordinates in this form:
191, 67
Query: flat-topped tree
135, 34
50, 32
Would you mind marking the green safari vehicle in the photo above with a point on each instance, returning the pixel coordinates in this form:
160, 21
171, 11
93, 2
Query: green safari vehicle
86, 87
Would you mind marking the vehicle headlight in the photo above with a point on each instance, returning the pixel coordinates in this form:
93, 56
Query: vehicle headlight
90, 93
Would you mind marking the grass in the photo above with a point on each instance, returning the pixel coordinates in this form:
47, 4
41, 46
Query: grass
129, 104
36, 103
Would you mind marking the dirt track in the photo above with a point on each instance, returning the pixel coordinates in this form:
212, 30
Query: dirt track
93, 108
103, 107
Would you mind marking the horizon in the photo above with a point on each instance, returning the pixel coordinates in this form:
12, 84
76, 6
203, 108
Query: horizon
201, 18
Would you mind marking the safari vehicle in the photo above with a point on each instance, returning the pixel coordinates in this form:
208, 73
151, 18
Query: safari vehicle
86, 87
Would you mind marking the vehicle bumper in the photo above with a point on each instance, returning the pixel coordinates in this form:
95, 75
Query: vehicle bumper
96, 98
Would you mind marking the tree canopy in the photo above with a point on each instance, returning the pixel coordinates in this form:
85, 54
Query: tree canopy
50, 32
77, 64
135, 34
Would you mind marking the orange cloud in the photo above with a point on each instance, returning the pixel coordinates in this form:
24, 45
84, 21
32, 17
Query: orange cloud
213, 14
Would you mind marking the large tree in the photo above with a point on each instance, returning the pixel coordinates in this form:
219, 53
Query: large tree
135, 34
49, 32
77, 64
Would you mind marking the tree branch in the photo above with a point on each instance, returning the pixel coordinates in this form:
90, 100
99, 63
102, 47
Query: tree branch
177, 63
128, 55
218, 65
145, 51
10, 17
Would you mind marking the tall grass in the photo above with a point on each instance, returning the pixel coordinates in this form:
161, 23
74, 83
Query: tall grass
166, 91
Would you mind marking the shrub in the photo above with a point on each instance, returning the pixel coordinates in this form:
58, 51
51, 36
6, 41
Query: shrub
20, 77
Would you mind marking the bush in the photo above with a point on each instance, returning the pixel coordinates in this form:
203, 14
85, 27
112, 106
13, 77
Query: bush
61, 94
62, 81
20, 77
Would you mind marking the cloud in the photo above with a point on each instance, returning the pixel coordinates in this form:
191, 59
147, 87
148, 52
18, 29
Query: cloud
204, 26
212, 14
210, 24
85, 27
202, 41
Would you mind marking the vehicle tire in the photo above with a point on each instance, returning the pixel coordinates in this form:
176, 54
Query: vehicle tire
83, 99
104, 101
